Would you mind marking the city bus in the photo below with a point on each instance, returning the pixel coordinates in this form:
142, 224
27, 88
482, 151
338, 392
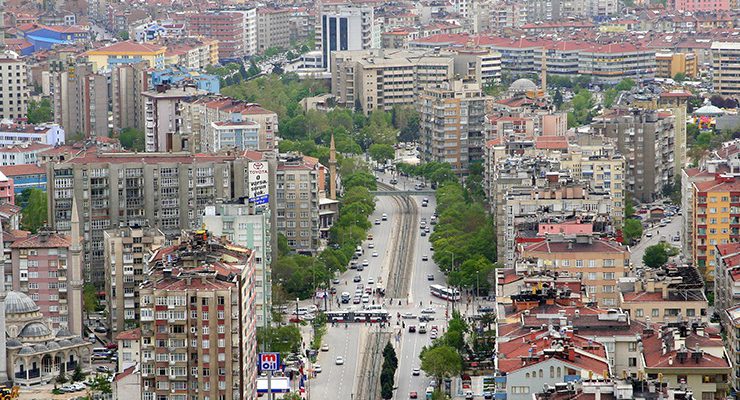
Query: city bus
443, 292
378, 315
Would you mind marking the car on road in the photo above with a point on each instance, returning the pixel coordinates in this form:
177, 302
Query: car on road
370, 281
356, 300
429, 310
430, 277
427, 317
424, 204
433, 335
425, 258
412, 328
100, 329
339, 360
371, 245
413, 395
377, 222
375, 254
365, 262
325, 347
423, 233
365, 298
357, 278
394, 181
677, 238
369, 237
384, 217
649, 234
487, 396
103, 369
335, 281
408, 315
317, 368
416, 371
485, 309
427, 230
431, 248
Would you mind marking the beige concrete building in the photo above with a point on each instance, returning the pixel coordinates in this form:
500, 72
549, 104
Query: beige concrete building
452, 123
80, 100
675, 295
126, 252
381, 79
599, 263
298, 181
726, 68
13, 86
128, 81
163, 124
273, 28
163, 190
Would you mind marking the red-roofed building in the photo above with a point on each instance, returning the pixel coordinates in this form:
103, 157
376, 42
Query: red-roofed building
611, 63
40, 270
546, 357
129, 350
600, 263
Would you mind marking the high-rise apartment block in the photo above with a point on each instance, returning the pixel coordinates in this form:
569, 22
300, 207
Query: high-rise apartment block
166, 191
347, 28
164, 125
127, 251
80, 100
198, 334
236, 31
451, 123
273, 28
647, 141
726, 68
246, 226
40, 264
13, 86
297, 201
128, 81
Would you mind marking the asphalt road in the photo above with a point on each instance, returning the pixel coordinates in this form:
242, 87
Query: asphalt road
669, 231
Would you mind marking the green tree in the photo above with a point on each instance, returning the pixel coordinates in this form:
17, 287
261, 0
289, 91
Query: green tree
39, 112
473, 274
78, 376
632, 230
625, 85
281, 339
382, 152
610, 95
655, 256
123, 35
90, 299
132, 139
557, 99
292, 396
362, 179
583, 104
441, 362
679, 77
283, 247
629, 206
33, 215
62, 377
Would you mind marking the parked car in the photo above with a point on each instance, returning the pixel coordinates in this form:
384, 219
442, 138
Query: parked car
412, 328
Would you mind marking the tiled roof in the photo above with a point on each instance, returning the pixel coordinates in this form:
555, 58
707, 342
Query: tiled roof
25, 148
22, 169
655, 359
132, 334
718, 186
728, 248
128, 47
518, 352
38, 241
551, 142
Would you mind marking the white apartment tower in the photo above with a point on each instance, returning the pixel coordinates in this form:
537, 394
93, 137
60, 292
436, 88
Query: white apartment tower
348, 28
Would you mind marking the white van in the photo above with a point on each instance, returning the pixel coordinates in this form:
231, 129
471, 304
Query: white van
358, 251
423, 327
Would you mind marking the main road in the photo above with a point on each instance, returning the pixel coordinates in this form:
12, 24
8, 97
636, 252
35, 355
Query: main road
655, 233
341, 381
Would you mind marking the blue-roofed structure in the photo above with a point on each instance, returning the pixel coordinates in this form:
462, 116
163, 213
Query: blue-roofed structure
174, 76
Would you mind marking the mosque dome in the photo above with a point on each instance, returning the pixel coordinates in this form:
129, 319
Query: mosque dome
522, 86
19, 303
34, 330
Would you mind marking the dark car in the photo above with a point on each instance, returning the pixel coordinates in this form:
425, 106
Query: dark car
100, 329
485, 309
412, 328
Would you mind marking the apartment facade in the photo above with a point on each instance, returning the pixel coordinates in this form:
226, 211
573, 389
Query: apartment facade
726, 276
40, 264
347, 28
298, 201
80, 100
273, 28
599, 263
236, 31
13, 86
166, 190
668, 64
452, 124
126, 52
128, 81
726, 68
611, 63
250, 228
164, 128
647, 141
126, 253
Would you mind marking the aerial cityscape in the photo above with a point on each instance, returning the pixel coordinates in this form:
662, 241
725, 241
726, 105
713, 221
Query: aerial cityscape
370, 199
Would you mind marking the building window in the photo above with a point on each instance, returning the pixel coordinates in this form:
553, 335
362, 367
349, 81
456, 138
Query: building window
639, 313
632, 361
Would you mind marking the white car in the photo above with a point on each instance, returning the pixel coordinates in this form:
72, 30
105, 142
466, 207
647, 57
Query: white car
340, 360
424, 257
365, 263
416, 371
384, 217
365, 299
377, 222
317, 368
375, 254
370, 281
428, 310
325, 347
371, 245
408, 315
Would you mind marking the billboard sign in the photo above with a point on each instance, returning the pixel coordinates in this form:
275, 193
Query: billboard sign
268, 361
259, 187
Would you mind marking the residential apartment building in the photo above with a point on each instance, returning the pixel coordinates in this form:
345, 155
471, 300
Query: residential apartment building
599, 263
198, 336
126, 252
273, 28
250, 228
164, 190
726, 68
128, 81
298, 201
730, 319
346, 28
7, 190
611, 63
80, 100
236, 133
163, 122
126, 52
452, 124
647, 140
543, 10
669, 64
25, 176
28, 137
40, 264
13, 86
694, 6
236, 31
688, 177
191, 53
726, 276
714, 204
